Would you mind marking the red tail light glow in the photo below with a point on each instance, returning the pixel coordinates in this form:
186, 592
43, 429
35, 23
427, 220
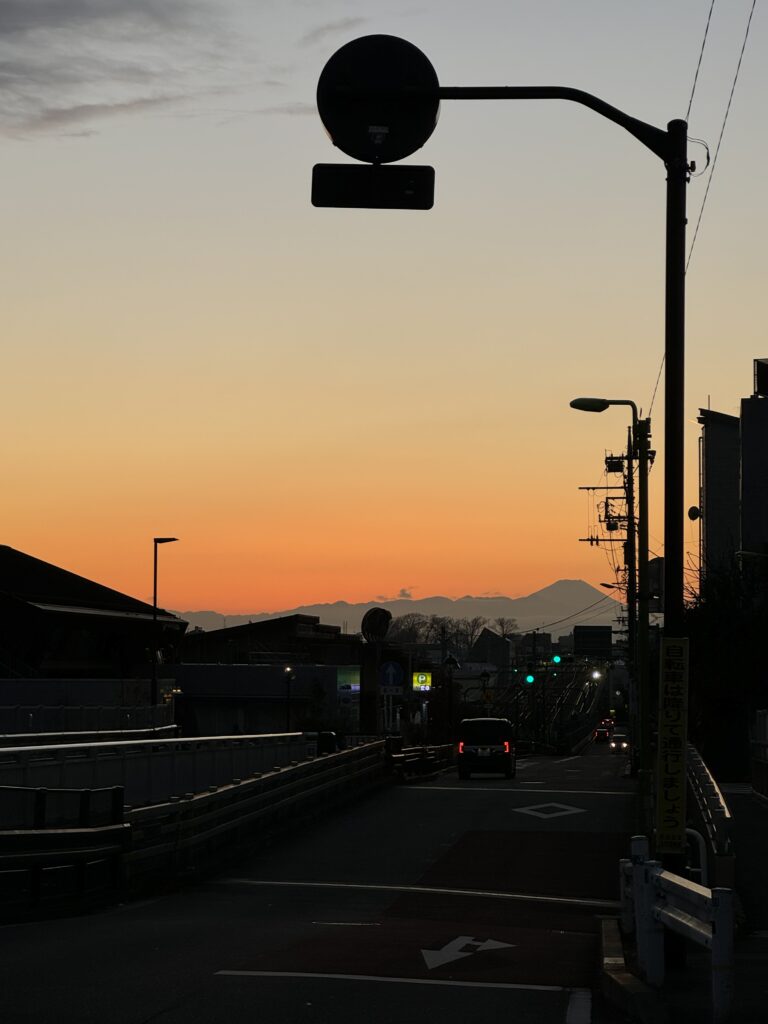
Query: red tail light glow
506, 746
461, 746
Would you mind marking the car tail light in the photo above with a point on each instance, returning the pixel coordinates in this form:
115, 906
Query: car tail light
461, 746
506, 746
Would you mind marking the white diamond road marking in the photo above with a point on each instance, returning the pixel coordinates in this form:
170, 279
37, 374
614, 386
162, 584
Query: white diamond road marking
549, 810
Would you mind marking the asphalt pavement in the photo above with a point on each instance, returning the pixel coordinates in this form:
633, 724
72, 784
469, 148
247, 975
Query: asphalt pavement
443, 898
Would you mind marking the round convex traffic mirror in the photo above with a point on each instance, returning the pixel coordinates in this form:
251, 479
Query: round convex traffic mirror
378, 98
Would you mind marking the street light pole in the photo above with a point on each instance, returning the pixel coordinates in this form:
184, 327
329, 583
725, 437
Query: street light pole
155, 542
289, 677
631, 553
641, 432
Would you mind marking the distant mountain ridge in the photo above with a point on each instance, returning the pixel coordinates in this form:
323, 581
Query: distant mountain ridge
556, 609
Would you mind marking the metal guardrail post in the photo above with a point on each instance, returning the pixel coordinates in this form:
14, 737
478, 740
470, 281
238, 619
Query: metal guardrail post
649, 933
625, 894
722, 954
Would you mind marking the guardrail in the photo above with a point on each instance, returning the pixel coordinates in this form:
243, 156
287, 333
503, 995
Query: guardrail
22, 808
82, 835
417, 762
714, 819
151, 771
654, 900
79, 833
197, 832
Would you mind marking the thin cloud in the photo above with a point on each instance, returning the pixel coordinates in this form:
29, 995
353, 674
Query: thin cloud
64, 61
57, 117
330, 28
290, 108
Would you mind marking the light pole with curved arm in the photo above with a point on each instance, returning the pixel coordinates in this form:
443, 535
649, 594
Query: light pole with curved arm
641, 432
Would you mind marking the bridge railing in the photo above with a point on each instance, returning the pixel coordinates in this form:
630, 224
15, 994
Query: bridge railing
710, 813
418, 762
151, 771
191, 834
654, 900
65, 845
58, 844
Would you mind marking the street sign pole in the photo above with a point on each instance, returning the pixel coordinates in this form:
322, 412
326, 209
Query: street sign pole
379, 99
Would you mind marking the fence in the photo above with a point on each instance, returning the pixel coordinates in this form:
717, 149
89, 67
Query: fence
654, 900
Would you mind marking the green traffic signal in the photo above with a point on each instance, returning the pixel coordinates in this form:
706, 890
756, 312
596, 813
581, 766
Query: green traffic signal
556, 658
530, 678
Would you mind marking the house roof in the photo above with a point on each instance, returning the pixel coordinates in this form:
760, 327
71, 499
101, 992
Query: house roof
50, 588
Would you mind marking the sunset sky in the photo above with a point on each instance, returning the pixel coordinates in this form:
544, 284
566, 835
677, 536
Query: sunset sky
347, 404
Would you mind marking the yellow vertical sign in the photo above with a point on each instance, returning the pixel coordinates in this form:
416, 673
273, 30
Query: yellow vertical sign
673, 735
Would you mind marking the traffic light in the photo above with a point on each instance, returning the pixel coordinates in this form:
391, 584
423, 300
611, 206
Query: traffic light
530, 675
556, 659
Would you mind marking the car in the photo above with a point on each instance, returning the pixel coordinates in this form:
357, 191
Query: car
486, 745
601, 734
619, 742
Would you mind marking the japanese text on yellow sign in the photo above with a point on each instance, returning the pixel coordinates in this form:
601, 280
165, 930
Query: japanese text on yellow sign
673, 720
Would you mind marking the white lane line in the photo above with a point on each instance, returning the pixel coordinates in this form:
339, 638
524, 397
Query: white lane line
391, 981
570, 901
579, 1007
564, 759
527, 764
512, 789
351, 924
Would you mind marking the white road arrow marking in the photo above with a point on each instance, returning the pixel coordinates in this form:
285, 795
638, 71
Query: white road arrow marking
454, 950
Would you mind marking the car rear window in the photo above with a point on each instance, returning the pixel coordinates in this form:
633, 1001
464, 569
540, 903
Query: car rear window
485, 731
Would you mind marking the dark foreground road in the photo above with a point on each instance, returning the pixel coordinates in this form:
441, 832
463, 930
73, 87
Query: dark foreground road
444, 901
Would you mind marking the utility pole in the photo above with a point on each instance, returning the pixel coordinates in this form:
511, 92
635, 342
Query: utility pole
630, 555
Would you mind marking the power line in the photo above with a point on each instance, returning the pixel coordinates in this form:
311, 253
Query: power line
573, 615
722, 131
698, 66
658, 378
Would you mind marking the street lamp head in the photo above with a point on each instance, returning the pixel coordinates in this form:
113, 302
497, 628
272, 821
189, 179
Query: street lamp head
164, 540
590, 404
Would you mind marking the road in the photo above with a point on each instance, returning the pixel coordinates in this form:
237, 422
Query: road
440, 900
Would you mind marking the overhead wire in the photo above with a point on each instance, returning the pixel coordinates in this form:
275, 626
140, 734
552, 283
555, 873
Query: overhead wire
717, 150
698, 65
573, 615
722, 132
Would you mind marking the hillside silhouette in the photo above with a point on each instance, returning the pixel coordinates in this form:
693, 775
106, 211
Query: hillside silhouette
560, 606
